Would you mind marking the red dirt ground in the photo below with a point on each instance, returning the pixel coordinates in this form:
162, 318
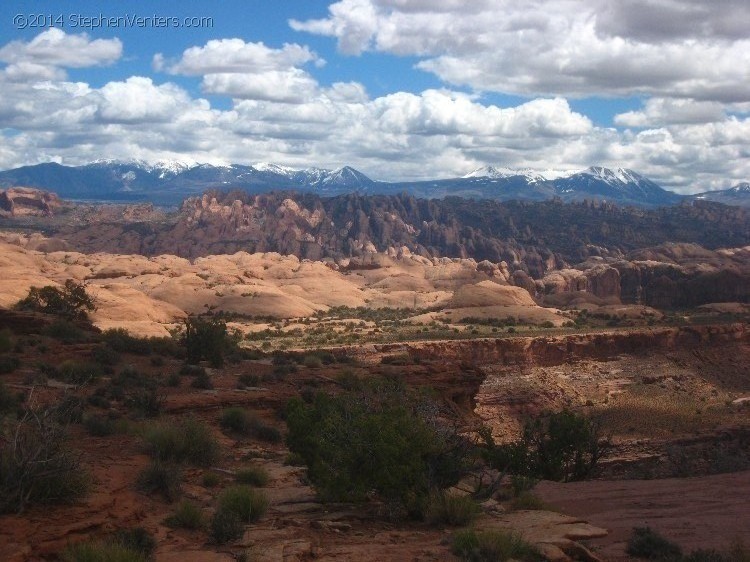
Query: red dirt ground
705, 512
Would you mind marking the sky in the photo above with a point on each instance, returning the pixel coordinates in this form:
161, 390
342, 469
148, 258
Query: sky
399, 89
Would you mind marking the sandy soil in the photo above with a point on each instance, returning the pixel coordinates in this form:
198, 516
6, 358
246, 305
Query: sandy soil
706, 512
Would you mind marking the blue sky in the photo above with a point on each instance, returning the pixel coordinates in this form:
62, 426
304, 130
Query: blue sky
401, 89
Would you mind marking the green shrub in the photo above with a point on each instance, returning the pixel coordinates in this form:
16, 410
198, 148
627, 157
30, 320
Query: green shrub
174, 380
99, 401
164, 441
161, 478
192, 370
447, 509
105, 355
266, 433
121, 341
65, 331
8, 401
235, 419
247, 503
78, 372
187, 515
99, 426
211, 479
201, 447
294, 459
130, 377
349, 380
9, 364
377, 439
240, 421
202, 381
6, 340
147, 402
189, 441
527, 500
137, 539
207, 338
281, 371
707, 555
520, 484
238, 505
36, 466
248, 380
253, 476
493, 546
70, 301
69, 409
562, 446
101, 551
312, 362
646, 543
226, 526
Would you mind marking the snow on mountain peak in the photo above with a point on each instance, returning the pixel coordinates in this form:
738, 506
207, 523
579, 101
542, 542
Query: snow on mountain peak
501, 172
274, 169
618, 175
172, 167
163, 168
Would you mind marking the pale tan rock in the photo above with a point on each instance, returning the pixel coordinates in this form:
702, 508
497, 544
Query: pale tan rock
151, 295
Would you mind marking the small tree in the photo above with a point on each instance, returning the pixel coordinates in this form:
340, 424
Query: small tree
207, 338
70, 301
378, 439
562, 446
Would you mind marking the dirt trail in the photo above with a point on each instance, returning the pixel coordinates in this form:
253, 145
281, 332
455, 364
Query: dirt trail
706, 512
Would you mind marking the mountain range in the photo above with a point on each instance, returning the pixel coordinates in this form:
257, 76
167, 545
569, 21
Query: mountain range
169, 182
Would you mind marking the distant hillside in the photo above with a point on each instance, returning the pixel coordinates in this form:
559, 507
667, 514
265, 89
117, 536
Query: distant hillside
738, 195
171, 182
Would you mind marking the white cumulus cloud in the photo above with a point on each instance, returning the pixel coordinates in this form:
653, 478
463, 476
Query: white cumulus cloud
54, 47
558, 47
242, 70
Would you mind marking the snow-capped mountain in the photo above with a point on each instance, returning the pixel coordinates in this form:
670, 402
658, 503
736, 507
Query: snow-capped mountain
619, 185
739, 195
345, 177
171, 181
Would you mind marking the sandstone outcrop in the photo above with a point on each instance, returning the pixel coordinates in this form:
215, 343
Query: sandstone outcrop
677, 275
27, 201
147, 295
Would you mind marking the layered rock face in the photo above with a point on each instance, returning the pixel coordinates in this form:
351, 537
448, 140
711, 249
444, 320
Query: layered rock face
561, 254
26, 201
558, 350
667, 276
677, 275
533, 237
